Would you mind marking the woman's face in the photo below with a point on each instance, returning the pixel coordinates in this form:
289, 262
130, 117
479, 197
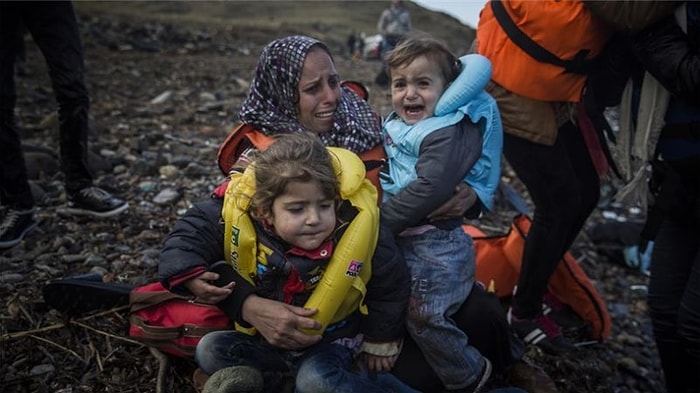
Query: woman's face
319, 92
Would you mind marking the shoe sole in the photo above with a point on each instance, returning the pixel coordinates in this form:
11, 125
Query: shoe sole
84, 212
12, 243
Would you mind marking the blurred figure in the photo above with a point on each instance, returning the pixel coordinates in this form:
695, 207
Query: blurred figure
670, 52
660, 125
54, 28
394, 23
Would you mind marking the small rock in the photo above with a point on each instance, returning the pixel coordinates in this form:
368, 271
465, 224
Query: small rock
166, 196
42, 369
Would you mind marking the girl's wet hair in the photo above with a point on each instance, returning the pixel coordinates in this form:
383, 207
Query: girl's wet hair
420, 44
298, 157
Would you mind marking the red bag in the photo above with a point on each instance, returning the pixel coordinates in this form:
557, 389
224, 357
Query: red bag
498, 263
170, 322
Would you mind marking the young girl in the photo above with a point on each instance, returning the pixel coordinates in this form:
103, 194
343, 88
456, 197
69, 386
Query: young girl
303, 209
433, 141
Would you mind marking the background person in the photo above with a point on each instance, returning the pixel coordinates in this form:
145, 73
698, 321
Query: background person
663, 42
670, 51
393, 25
55, 30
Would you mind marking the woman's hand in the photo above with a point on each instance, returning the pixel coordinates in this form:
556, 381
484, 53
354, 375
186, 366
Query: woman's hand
279, 323
461, 201
205, 292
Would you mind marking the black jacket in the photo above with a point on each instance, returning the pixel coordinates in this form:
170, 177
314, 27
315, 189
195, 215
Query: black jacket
671, 56
445, 158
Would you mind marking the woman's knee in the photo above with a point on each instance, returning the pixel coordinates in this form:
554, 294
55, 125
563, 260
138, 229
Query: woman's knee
209, 353
323, 368
317, 376
308, 378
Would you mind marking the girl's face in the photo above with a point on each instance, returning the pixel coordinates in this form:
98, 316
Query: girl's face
319, 92
415, 89
302, 216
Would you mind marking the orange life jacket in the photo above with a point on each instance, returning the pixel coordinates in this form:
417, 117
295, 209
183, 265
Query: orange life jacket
563, 28
245, 136
498, 264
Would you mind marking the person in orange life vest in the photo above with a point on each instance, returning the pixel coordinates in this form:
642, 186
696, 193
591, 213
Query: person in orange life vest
542, 142
299, 220
296, 88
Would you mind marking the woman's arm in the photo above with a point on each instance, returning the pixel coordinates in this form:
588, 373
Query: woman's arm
464, 202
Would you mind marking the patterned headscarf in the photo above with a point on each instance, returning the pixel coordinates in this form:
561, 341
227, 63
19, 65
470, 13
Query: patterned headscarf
271, 105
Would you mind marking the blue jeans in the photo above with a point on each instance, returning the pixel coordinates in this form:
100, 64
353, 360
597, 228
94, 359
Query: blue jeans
323, 368
442, 266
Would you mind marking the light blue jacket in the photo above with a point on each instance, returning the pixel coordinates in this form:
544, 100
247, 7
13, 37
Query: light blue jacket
464, 97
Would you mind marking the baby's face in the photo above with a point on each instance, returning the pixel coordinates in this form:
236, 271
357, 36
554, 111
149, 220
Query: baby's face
415, 89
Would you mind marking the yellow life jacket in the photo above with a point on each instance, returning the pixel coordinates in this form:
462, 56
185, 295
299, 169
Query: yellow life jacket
341, 290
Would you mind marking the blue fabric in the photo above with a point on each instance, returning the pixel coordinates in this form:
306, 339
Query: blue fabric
326, 369
402, 153
228, 348
466, 85
679, 112
442, 266
676, 149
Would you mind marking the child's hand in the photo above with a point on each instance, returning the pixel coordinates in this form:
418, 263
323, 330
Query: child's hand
203, 290
379, 364
381, 356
